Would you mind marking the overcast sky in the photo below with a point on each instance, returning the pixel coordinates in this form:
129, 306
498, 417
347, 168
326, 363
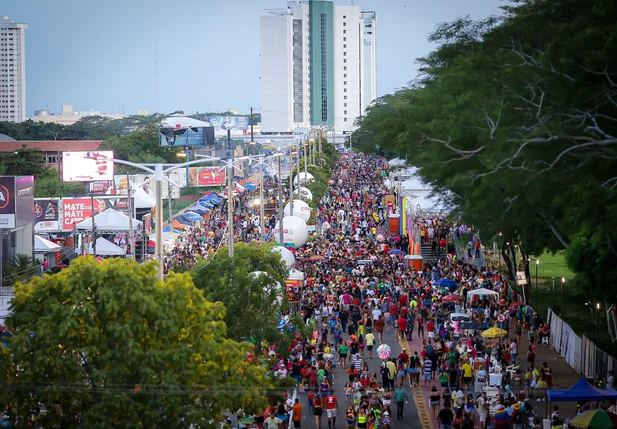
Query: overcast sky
102, 55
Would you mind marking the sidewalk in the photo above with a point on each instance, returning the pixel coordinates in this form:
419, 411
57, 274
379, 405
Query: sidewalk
563, 375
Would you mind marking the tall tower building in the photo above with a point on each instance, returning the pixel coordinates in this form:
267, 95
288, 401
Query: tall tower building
12, 70
314, 68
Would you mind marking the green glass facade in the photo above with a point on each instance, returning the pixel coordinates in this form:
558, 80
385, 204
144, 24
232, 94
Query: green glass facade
321, 19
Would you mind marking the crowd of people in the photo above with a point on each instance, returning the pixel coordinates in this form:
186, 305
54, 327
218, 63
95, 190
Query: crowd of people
361, 286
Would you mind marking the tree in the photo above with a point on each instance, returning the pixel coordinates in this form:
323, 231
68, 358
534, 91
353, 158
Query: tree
109, 345
22, 162
252, 301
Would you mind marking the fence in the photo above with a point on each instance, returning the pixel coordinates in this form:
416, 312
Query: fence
580, 353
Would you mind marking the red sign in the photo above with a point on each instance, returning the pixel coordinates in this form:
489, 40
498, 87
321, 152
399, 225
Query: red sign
207, 176
75, 210
290, 285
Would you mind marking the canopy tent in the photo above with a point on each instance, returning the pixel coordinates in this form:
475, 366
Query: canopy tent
482, 291
168, 228
178, 225
193, 216
296, 275
109, 220
581, 391
106, 248
168, 237
142, 199
184, 220
42, 245
396, 162
198, 209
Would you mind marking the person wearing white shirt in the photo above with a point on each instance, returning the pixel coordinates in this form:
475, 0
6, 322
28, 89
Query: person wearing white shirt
376, 313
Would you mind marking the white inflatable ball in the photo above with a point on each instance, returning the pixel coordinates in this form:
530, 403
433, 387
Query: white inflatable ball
295, 232
301, 209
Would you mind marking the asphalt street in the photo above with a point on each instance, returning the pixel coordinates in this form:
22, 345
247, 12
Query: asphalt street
410, 415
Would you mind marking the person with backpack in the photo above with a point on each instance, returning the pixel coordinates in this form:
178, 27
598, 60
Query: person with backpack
518, 416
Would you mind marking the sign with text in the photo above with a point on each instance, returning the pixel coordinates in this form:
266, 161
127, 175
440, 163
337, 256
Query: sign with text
75, 210
7, 202
46, 215
24, 200
224, 123
87, 166
195, 136
207, 176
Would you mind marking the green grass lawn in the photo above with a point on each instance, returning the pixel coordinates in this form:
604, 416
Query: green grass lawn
550, 266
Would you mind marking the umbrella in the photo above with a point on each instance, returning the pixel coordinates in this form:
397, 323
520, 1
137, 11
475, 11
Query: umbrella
383, 351
593, 419
494, 332
396, 252
451, 284
316, 258
453, 298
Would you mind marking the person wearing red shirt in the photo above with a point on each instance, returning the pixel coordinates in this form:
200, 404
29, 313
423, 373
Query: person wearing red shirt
404, 311
331, 409
402, 327
402, 300
404, 357
393, 314
430, 329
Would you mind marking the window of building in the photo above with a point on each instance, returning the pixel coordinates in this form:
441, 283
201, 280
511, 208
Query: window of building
344, 89
344, 82
345, 112
345, 54
344, 31
344, 60
344, 67
345, 97
344, 46
344, 104
344, 39
344, 16
344, 24
344, 75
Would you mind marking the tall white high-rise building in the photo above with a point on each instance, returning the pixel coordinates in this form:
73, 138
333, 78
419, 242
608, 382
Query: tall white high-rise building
12, 70
317, 65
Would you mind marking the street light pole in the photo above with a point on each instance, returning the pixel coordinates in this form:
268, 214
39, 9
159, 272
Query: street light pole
262, 221
280, 183
158, 227
92, 219
563, 280
291, 185
537, 263
230, 206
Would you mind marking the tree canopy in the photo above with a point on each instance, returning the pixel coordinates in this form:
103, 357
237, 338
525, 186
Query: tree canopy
513, 122
109, 345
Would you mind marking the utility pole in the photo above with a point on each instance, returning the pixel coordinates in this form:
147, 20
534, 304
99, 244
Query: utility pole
262, 221
298, 154
280, 183
291, 185
169, 208
131, 232
93, 224
230, 205
252, 141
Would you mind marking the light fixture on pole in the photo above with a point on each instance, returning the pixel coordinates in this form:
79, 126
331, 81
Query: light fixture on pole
537, 263
563, 280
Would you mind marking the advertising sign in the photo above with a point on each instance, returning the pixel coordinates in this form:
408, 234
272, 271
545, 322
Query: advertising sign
46, 216
7, 202
75, 210
224, 123
24, 200
87, 166
196, 136
521, 278
206, 176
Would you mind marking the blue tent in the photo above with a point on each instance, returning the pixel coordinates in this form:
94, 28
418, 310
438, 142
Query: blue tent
581, 391
250, 186
449, 283
170, 229
185, 221
192, 216
199, 209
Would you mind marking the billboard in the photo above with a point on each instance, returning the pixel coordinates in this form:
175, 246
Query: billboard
46, 215
207, 176
75, 210
87, 166
195, 136
7, 202
224, 123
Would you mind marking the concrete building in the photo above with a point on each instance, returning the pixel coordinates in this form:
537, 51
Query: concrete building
12, 70
313, 67
69, 116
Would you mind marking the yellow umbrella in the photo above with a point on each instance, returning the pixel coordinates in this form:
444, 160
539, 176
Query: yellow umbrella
494, 332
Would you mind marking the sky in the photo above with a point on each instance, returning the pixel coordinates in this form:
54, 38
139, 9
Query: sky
103, 55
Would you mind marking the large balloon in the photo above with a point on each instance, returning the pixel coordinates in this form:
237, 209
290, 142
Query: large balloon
304, 194
286, 255
304, 177
295, 232
301, 209
380, 238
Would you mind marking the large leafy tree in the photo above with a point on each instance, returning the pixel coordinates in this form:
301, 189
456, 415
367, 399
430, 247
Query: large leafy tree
253, 301
513, 122
109, 345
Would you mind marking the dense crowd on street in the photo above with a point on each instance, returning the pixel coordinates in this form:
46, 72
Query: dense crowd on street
361, 286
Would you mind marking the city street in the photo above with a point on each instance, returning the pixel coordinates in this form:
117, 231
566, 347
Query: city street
411, 418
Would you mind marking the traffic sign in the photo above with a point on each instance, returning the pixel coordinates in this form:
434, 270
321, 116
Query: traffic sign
501, 318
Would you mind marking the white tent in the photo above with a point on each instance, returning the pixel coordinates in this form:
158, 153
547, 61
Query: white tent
106, 248
482, 291
42, 245
396, 162
168, 238
142, 199
296, 275
109, 220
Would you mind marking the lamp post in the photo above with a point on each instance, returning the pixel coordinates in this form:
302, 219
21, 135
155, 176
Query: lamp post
280, 186
597, 321
159, 175
291, 186
537, 263
563, 280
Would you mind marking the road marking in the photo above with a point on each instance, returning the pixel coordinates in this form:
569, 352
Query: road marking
418, 397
